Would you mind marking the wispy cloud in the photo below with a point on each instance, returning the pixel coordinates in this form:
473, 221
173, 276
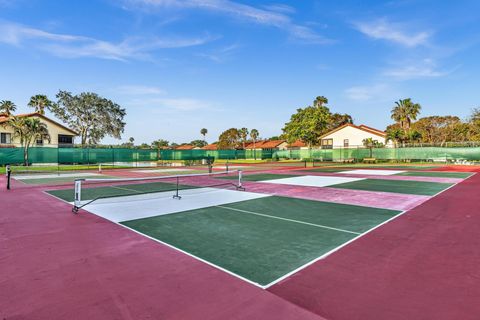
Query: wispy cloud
378, 92
382, 29
276, 16
140, 90
161, 105
426, 68
75, 46
220, 55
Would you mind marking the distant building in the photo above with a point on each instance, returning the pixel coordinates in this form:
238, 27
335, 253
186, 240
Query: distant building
267, 145
60, 135
186, 147
350, 135
210, 147
297, 145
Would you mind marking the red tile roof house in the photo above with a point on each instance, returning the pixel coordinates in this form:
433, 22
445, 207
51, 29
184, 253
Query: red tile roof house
186, 147
212, 146
268, 145
351, 136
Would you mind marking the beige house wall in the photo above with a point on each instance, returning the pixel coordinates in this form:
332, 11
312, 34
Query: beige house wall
355, 137
53, 129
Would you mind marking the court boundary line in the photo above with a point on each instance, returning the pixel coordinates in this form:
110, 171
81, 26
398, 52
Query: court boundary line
289, 220
188, 254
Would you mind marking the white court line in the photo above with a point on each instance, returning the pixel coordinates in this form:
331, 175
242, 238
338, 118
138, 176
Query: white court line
54, 176
289, 220
126, 189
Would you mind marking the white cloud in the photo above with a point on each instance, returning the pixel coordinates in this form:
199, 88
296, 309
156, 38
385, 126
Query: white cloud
160, 105
268, 16
140, 90
73, 46
378, 92
426, 68
384, 30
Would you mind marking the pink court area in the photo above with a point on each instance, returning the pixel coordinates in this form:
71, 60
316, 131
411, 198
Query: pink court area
384, 200
56, 265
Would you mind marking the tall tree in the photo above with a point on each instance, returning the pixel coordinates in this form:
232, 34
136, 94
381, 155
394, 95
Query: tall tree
28, 130
243, 135
159, 144
254, 134
7, 107
198, 143
40, 102
438, 129
229, 139
204, 132
338, 119
92, 116
404, 112
308, 124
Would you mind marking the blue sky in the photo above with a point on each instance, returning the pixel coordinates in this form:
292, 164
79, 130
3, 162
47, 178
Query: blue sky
178, 66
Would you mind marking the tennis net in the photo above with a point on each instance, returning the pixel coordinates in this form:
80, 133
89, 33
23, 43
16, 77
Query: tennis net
89, 190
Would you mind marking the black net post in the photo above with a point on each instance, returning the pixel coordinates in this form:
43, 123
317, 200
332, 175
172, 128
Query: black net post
176, 195
9, 174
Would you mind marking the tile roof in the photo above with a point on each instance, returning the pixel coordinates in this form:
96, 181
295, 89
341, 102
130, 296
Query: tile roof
4, 118
212, 146
297, 144
185, 147
268, 144
361, 127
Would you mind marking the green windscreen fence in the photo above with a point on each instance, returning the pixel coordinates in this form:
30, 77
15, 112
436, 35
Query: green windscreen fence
128, 155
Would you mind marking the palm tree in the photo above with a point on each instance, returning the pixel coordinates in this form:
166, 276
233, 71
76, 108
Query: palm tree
320, 101
7, 107
404, 112
395, 135
370, 144
39, 102
203, 132
254, 135
243, 135
29, 130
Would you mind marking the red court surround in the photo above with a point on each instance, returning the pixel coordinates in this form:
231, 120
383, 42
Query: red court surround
423, 265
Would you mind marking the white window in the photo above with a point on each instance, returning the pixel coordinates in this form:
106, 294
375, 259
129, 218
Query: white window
345, 143
5, 138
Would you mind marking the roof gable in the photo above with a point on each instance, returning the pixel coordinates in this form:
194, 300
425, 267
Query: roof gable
4, 118
361, 127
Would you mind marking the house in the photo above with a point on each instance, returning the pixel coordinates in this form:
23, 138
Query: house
269, 145
297, 145
60, 135
210, 147
186, 147
350, 135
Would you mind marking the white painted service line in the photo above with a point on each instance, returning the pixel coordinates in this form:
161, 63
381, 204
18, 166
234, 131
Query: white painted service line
373, 172
289, 220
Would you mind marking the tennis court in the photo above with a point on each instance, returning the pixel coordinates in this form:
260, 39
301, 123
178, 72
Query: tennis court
257, 237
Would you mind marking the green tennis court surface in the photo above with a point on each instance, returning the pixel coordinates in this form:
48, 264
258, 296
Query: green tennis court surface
117, 191
396, 186
440, 174
264, 239
260, 177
